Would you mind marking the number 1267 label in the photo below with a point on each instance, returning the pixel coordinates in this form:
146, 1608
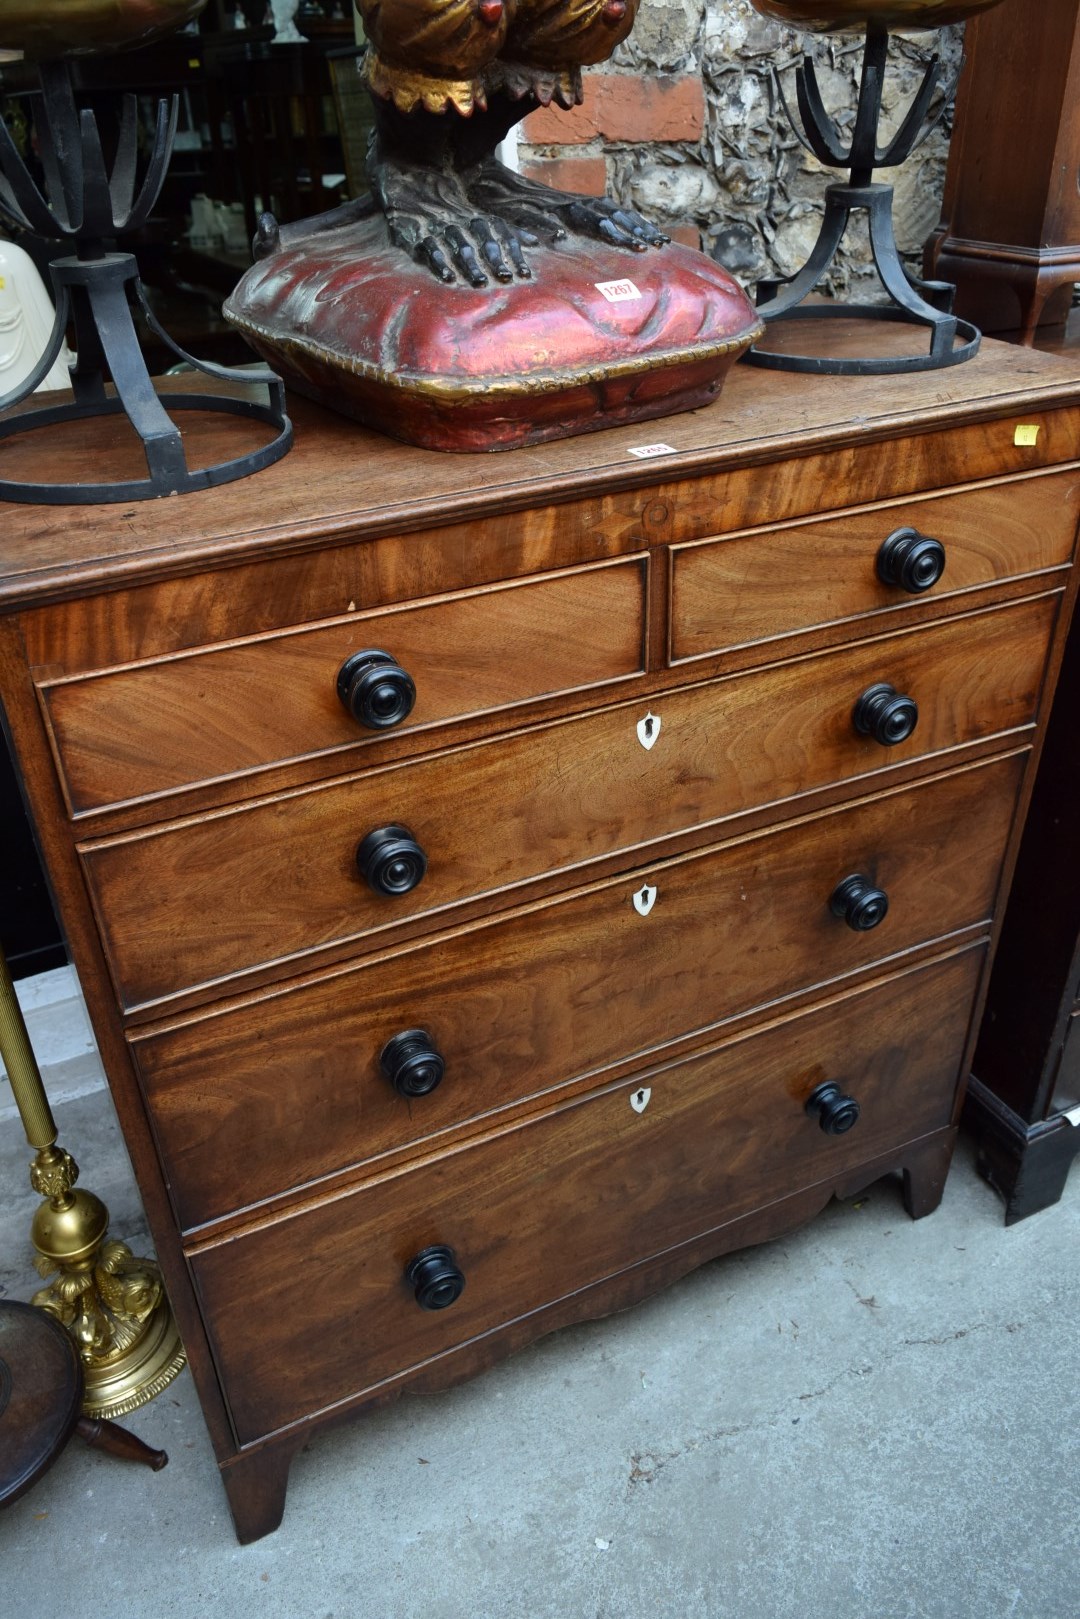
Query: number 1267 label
617, 292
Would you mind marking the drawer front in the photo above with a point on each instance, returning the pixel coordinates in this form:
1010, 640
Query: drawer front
278, 878
315, 1308
518, 1007
755, 587
129, 733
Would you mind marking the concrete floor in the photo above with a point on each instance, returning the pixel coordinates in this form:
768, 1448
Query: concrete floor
871, 1419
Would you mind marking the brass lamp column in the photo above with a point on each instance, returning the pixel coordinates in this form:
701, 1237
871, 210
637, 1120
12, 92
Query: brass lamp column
113, 1304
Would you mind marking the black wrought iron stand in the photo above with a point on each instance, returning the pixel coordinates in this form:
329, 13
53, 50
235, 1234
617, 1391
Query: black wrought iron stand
100, 291
918, 302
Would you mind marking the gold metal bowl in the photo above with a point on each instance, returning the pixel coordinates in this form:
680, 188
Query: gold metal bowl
45, 29
836, 16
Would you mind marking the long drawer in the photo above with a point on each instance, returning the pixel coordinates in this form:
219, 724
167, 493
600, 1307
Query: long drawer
194, 717
542, 1210
742, 589
292, 1082
268, 881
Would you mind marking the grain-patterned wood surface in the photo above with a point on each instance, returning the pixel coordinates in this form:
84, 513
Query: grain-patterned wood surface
541, 1210
341, 481
227, 710
754, 587
535, 1001
276, 880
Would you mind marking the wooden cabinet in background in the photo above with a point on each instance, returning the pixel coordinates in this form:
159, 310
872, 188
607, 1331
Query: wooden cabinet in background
1010, 233
501, 884
1023, 1105
1023, 1101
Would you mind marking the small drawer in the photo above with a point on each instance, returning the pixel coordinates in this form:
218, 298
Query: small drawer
547, 1208
194, 902
157, 727
753, 587
497, 1013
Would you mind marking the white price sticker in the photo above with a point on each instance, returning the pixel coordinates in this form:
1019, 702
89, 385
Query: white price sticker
617, 292
644, 451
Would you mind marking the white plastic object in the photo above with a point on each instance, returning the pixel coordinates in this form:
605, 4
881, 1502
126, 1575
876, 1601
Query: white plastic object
284, 12
26, 323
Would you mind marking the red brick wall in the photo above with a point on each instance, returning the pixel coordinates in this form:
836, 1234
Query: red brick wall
570, 150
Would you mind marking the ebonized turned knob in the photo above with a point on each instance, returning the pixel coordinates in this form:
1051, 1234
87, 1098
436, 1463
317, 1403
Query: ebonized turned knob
861, 905
412, 1063
886, 714
434, 1278
835, 1112
391, 861
911, 561
375, 689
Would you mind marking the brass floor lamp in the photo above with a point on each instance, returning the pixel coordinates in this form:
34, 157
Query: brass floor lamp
112, 1304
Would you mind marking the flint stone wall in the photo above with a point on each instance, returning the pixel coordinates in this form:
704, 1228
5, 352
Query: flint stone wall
684, 123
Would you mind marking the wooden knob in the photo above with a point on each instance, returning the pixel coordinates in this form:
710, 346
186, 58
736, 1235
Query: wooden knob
885, 714
391, 861
375, 689
412, 1063
859, 903
835, 1112
911, 561
434, 1278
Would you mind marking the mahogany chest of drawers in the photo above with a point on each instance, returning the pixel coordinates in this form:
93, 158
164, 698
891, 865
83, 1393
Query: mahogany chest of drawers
501, 884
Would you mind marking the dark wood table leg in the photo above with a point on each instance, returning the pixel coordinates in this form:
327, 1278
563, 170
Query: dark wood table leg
100, 1434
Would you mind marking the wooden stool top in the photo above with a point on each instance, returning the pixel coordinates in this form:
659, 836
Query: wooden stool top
41, 1388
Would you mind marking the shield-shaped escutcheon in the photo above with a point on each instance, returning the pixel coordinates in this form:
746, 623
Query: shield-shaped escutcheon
645, 899
648, 729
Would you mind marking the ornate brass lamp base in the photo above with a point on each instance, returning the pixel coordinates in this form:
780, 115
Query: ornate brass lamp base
113, 1304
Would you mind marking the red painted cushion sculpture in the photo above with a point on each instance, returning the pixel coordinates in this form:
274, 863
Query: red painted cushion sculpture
461, 306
